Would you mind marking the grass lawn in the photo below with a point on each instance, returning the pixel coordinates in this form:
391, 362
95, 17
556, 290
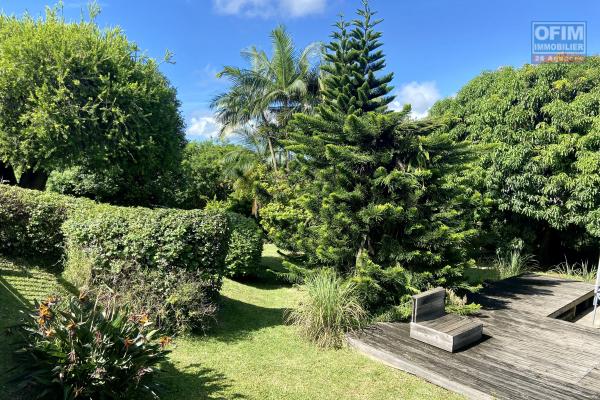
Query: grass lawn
251, 354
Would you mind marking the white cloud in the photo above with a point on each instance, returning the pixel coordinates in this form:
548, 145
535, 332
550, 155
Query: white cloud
420, 95
203, 128
269, 8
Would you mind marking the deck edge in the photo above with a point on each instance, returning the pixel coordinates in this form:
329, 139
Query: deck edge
423, 373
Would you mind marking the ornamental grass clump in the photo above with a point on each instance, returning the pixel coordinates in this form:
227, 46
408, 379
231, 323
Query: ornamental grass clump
78, 349
329, 308
514, 264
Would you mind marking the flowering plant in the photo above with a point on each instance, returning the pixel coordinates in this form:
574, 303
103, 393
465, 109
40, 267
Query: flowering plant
78, 349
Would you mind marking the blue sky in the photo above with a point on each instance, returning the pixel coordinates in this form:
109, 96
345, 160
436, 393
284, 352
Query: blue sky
433, 47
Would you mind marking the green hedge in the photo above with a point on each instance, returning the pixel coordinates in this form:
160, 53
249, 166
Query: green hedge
165, 261
245, 246
30, 223
162, 238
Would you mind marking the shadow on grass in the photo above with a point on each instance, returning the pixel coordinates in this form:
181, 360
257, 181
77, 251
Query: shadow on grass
11, 307
237, 320
194, 382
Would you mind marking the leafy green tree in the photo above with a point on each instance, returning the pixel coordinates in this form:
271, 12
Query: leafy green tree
72, 94
265, 96
543, 171
204, 177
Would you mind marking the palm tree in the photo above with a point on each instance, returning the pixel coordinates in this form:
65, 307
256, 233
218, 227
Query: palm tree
264, 96
242, 165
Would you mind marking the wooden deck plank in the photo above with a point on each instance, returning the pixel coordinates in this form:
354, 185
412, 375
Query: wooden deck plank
525, 355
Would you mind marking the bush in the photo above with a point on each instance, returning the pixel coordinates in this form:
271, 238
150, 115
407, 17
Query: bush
459, 305
170, 262
164, 238
245, 243
245, 246
329, 309
84, 351
30, 222
514, 264
179, 300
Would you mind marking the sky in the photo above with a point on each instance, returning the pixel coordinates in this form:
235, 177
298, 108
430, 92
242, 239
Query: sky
433, 47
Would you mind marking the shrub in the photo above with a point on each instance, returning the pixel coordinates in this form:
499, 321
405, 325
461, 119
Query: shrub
179, 300
245, 246
30, 222
245, 243
84, 351
328, 310
163, 238
166, 261
459, 305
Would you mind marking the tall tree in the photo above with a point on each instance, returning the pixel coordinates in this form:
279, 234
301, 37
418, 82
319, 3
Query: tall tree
72, 94
373, 190
544, 171
353, 60
266, 95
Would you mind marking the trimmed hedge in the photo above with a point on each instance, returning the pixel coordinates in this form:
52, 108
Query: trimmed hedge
165, 261
245, 246
162, 238
30, 222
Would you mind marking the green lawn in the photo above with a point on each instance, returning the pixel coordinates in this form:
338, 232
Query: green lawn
251, 354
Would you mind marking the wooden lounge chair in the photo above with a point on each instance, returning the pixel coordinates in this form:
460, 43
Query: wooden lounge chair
430, 323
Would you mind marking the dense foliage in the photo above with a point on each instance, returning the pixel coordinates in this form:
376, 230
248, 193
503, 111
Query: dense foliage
75, 95
161, 238
543, 172
80, 350
30, 223
168, 262
371, 193
245, 247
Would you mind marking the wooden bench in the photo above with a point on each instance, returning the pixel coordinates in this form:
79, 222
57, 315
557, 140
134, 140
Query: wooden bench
430, 323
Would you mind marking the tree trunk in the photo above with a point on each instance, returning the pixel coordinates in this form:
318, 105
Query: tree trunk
272, 153
7, 174
255, 207
31, 179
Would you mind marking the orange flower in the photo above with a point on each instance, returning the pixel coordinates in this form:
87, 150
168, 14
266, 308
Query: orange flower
44, 314
164, 341
143, 319
49, 332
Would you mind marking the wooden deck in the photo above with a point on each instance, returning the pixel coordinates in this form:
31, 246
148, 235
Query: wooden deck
526, 353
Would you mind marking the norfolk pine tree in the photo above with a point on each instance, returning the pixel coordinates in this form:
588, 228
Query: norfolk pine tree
375, 196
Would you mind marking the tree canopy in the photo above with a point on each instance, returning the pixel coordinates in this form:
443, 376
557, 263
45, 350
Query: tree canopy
72, 94
543, 172
265, 96
353, 60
